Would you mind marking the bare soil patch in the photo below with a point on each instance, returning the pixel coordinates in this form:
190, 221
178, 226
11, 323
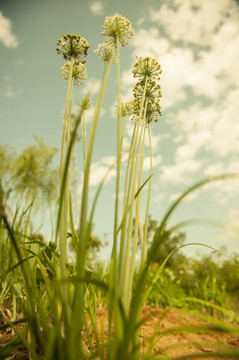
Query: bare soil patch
171, 344
183, 343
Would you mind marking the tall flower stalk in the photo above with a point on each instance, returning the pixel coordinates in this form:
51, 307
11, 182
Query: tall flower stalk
73, 48
118, 30
107, 54
146, 110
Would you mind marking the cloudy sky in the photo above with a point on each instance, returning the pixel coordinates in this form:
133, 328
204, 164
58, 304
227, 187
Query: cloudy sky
197, 44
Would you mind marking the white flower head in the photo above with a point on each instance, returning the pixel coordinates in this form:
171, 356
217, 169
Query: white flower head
117, 28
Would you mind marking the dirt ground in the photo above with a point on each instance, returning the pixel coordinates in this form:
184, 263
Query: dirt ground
183, 343
171, 344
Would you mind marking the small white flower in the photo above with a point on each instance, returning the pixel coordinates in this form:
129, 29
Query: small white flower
117, 27
78, 72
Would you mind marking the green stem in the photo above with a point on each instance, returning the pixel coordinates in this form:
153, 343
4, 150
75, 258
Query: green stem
125, 201
114, 255
84, 138
63, 141
129, 263
137, 217
119, 156
78, 301
144, 249
124, 263
64, 209
128, 192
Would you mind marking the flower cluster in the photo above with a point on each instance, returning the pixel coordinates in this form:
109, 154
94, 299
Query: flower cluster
78, 72
147, 70
105, 52
117, 27
153, 90
85, 103
147, 67
127, 109
153, 112
73, 46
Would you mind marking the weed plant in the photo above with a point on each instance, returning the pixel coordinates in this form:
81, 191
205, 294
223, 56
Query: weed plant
57, 298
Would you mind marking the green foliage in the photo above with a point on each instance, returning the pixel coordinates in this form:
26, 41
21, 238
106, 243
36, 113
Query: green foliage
229, 273
167, 291
5, 160
29, 173
32, 172
208, 278
173, 241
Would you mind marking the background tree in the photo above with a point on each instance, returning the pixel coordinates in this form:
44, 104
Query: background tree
172, 241
30, 173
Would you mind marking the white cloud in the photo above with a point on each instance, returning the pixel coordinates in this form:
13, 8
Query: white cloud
205, 131
191, 74
100, 168
209, 71
233, 215
97, 8
216, 69
155, 140
177, 64
6, 36
10, 93
157, 197
194, 21
149, 43
233, 229
209, 75
156, 160
215, 169
225, 190
90, 112
214, 128
225, 131
181, 172
190, 197
219, 168
127, 82
92, 87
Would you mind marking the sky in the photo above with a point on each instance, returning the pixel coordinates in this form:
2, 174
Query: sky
197, 44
